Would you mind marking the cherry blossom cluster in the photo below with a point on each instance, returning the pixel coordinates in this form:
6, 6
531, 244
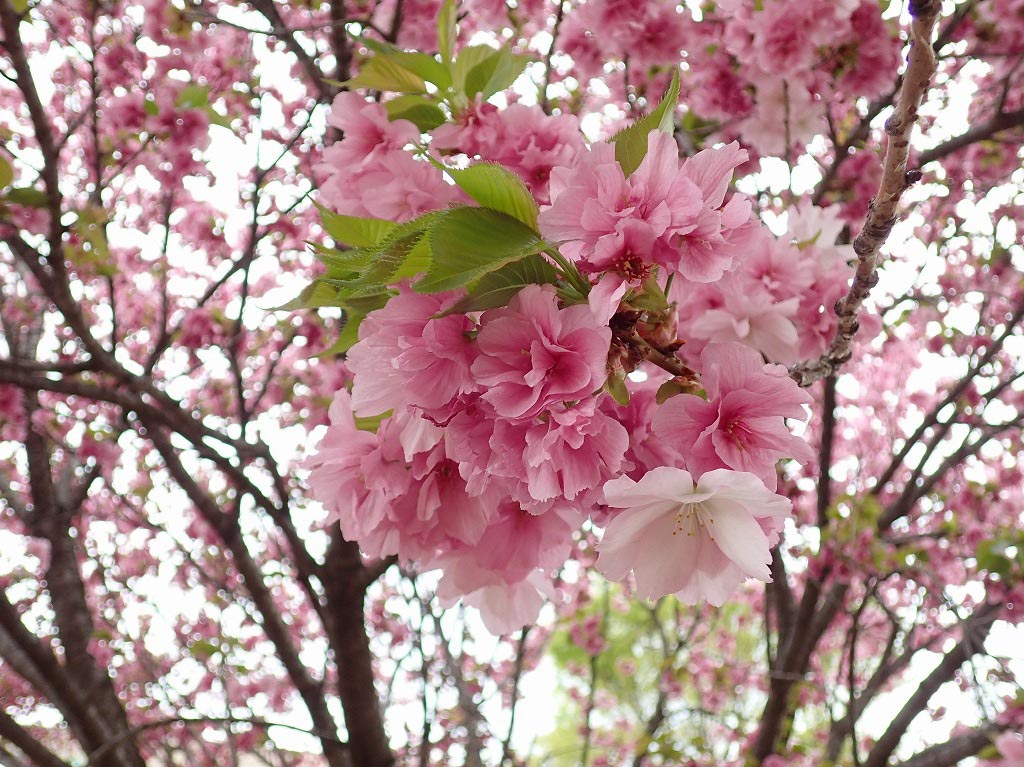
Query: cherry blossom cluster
639, 390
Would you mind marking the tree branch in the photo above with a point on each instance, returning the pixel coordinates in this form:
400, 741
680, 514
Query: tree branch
881, 218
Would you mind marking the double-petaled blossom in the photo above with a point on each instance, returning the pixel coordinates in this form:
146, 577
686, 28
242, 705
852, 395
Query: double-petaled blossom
665, 214
697, 541
741, 425
533, 355
407, 357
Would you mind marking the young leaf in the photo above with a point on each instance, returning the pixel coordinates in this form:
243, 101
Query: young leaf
616, 386
446, 31
6, 173
348, 336
470, 242
422, 64
313, 296
494, 187
421, 111
631, 143
28, 196
353, 231
494, 73
383, 73
469, 58
497, 288
193, 97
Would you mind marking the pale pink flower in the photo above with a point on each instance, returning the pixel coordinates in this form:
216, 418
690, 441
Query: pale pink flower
742, 424
504, 607
534, 355
753, 319
406, 358
697, 542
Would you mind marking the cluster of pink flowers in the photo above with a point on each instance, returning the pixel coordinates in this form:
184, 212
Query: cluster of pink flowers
498, 435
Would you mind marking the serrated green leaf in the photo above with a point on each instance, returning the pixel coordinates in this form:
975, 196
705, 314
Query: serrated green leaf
355, 231
421, 111
471, 242
446, 30
498, 288
385, 265
497, 188
383, 73
28, 196
6, 173
422, 64
631, 143
416, 263
494, 73
193, 97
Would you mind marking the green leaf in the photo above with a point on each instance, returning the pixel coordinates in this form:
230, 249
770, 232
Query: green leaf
498, 287
371, 422
314, 296
6, 173
150, 107
28, 196
421, 111
422, 64
354, 231
616, 386
671, 388
494, 73
651, 298
471, 242
446, 31
394, 259
348, 337
469, 58
20, 6
631, 143
193, 97
416, 263
383, 73
203, 649
497, 188
216, 118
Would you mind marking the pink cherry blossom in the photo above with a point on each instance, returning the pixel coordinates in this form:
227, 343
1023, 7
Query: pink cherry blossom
697, 542
742, 424
534, 355
404, 357
665, 214
368, 133
753, 319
